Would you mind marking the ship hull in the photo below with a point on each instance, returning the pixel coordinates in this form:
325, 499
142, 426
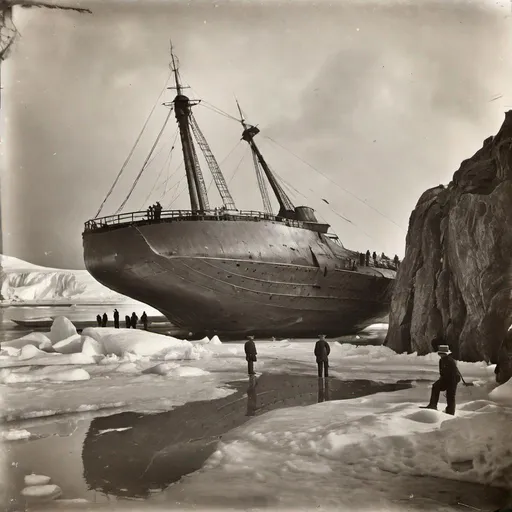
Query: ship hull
238, 277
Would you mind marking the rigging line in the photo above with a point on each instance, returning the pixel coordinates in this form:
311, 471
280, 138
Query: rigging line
236, 169
133, 147
166, 182
337, 184
168, 159
177, 197
144, 165
217, 111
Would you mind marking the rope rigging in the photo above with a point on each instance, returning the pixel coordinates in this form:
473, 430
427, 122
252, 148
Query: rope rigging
337, 184
144, 165
167, 163
133, 147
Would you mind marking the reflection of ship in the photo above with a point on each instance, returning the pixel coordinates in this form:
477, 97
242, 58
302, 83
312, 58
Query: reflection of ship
213, 270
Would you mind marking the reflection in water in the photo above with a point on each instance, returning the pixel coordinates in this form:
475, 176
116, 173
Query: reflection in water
323, 390
252, 396
134, 455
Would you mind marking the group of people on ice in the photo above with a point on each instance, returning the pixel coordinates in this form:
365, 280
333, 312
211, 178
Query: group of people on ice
130, 321
449, 374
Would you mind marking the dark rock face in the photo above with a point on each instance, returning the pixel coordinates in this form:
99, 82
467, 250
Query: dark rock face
456, 278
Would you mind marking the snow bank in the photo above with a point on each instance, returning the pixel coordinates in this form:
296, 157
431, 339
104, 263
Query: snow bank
15, 435
8, 376
21, 281
37, 339
502, 394
121, 342
41, 492
333, 452
34, 479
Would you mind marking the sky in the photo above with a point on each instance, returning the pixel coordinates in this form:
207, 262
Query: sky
362, 104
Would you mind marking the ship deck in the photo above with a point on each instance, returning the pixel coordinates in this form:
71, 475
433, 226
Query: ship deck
121, 220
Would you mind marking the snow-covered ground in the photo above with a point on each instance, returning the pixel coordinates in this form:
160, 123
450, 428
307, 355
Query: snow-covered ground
23, 282
345, 455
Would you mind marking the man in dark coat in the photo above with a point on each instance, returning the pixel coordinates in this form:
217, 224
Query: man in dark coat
144, 320
98, 320
133, 320
449, 377
127, 321
104, 320
250, 354
322, 351
116, 319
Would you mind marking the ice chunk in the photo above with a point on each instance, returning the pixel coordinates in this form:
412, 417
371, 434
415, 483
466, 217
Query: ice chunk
15, 435
215, 341
29, 352
38, 339
70, 375
34, 479
14, 377
92, 347
41, 492
61, 329
502, 394
70, 345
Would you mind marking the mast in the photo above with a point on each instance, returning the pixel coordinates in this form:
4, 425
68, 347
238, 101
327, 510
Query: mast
286, 207
195, 180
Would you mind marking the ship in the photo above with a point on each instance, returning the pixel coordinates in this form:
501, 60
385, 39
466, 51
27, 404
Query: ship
228, 271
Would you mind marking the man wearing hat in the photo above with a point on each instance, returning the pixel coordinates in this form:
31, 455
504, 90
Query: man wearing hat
322, 351
250, 354
449, 377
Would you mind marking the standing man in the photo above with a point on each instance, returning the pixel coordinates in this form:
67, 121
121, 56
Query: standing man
127, 321
250, 354
133, 320
116, 319
104, 320
98, 320
322, 351
449, 377
144, 320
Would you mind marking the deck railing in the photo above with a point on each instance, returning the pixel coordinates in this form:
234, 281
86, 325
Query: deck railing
185, 215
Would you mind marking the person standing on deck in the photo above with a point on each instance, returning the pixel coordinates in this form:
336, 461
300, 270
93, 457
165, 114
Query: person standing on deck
104, 320
144, 320
133, 320
322, 351
250, 354
127, 321
367, 258
158, 211
98, 320
116, 319
449, 377
374, 257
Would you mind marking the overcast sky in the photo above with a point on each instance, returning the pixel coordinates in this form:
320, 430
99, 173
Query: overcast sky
385, 101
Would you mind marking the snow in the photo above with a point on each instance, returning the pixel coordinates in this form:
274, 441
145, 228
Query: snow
42, 492
61, 329
16, 377
21, 281
346, 452
69, 345
502, 394
15, 435
33, 479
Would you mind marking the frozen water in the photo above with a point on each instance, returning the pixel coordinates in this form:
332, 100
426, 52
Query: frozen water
42, 492
33, 479
61, 329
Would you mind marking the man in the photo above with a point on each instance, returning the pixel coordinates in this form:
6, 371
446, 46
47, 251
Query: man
116, 319
250, 354
449, 377
127, 321
144, 320
98, 320
322, 351
104, 320
133, 320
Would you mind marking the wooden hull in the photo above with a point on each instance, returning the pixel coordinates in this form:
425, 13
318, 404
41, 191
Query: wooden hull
263, 278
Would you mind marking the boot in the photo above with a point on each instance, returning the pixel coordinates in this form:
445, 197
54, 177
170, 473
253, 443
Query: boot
429, 406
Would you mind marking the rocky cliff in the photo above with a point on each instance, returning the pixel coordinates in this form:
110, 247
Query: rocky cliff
456, 277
